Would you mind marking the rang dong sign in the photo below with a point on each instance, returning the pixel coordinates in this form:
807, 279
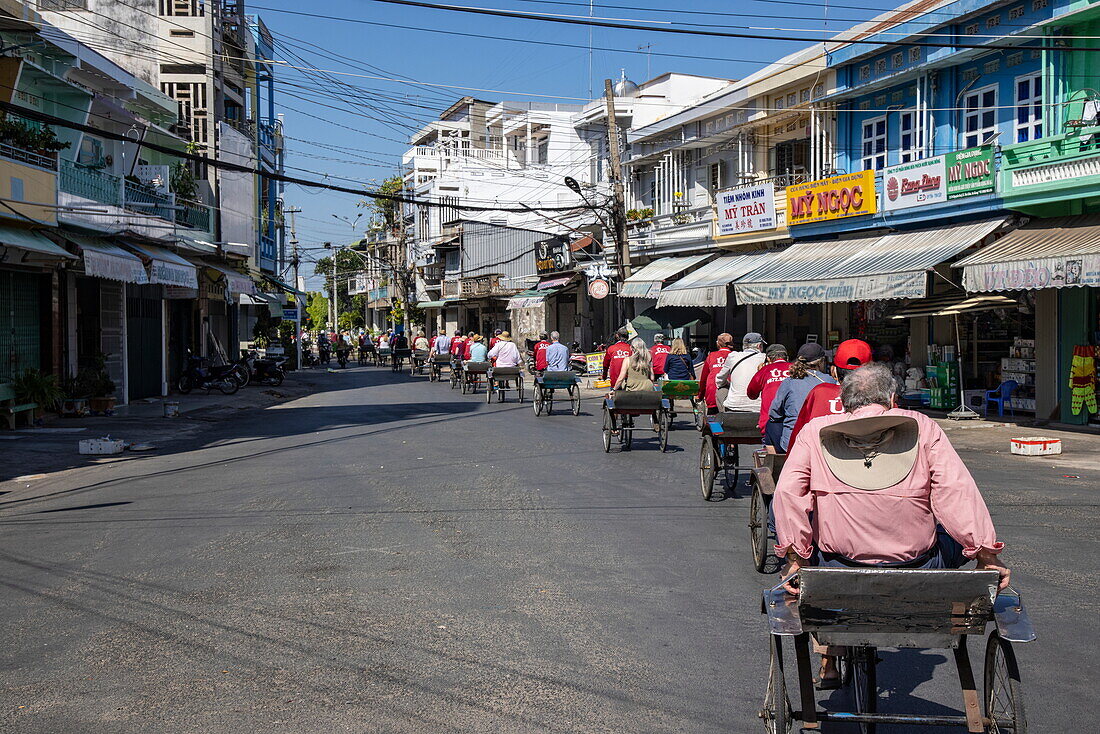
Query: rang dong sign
914, 184
746, 209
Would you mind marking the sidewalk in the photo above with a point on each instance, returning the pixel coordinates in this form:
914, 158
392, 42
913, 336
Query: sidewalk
52, 447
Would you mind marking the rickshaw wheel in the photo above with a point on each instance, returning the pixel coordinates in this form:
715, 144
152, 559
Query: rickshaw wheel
758, 527
490, 388
431, 373
519, 389
1004, 703
574, 401
862, 662
626, 433
608, 425
663, 425
776, 713
536, 400
708, 461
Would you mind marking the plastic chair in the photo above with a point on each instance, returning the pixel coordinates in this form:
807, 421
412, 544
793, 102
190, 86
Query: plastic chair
1002, 397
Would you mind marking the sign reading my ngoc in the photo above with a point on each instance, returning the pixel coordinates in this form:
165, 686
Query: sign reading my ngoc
849, 195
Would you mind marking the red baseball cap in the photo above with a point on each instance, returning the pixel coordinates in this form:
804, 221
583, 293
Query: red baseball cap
852, 354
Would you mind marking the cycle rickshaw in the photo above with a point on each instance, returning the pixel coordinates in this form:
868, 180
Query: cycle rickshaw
722, 436
502, 379
417, 361
865, 609
681, 390
368, 353
436, 365
475, 375
384, 356
397, 359
456, 372
545, 386
620, 410
765, 473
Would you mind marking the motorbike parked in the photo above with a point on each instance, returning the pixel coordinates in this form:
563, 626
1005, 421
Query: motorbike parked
264, 370
199, 374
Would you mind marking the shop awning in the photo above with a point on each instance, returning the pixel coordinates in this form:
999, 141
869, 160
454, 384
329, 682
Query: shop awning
661, 319
166, 267
1046, 253
235, 283
557, 283
647, 282
281, 285
531, 297
30, 242
431, 304
273, 302
103, 259
879, 267
707, 286
953, 303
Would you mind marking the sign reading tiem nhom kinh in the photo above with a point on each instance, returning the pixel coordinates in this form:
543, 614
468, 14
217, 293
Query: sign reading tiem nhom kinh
746, 209
849, 195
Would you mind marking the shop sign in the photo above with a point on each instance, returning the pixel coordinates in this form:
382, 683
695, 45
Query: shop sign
836, 290
553, 255
970, 172
179, 292
1047, 272
746, 209
914, 184
290, 313
593, 364
849, 195
599, 288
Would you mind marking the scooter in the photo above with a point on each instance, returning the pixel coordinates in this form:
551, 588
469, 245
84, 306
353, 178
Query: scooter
267, 370
197, 374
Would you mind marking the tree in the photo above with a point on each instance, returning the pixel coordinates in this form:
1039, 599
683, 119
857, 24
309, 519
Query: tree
317, 310
386, 213
348, 264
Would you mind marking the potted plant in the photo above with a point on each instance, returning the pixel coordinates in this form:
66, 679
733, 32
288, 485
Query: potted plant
98, 386
74, 403
34, 386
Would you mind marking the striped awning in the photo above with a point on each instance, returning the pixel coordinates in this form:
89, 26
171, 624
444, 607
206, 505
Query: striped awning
953, 303
1046, 253
431, 304
164, 266
647, 282
878, 267
707, 285
31, 244
103, 259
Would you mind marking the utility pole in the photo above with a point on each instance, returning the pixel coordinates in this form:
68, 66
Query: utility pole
297, 299
618, 204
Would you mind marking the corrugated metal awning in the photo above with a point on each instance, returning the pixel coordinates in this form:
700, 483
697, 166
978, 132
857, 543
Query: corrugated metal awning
166, 267
893, 265
646, 283
707, 285
953, 303
29, 242
235, 283
1047, 253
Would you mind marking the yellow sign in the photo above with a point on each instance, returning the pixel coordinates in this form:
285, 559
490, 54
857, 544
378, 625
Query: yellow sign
594, 363
850, 195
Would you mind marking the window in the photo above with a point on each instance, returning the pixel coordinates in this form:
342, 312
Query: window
880, 66
907, 137
874, 144
1016, 13
1029, 107
864, 72
897, 60
979, 116
914, 55
993, 21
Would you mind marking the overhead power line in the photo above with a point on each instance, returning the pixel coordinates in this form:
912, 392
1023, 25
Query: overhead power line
225, 165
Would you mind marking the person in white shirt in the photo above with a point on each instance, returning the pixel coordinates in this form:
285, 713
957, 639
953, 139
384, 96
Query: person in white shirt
505, 353
738, 370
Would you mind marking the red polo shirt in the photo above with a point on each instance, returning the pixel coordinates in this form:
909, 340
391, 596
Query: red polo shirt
708, 389
824, 399
660, 353
458, 345
540, 355
613, 360
765, 384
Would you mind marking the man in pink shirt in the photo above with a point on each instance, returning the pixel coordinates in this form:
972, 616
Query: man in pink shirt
878, 486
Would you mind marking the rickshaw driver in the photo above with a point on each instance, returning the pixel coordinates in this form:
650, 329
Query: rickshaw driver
879, 486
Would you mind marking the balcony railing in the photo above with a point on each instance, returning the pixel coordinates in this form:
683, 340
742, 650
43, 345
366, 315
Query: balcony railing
30, 157
107, 188
90, 183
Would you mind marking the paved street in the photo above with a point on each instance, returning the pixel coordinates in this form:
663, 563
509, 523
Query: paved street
388, 555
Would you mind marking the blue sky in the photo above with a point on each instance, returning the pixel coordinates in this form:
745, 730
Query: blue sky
363, 138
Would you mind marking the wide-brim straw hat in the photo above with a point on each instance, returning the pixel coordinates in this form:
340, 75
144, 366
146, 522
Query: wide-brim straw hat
505, 335
871, 453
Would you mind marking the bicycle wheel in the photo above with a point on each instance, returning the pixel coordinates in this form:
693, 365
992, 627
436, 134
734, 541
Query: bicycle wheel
608, 426
708, 463
862, 662
1004, 703
536, 400
776, 713
432, 375
241, 374
490, 388
574, 401
758, 527
626, 433
519, 388
663, 425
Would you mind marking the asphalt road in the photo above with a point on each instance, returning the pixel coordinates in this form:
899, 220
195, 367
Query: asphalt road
388, 555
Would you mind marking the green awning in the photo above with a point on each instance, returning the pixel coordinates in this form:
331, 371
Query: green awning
431, 304
25, 239
285, 287
668, 317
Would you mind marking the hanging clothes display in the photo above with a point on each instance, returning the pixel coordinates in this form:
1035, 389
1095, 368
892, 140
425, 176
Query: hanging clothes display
1082, 379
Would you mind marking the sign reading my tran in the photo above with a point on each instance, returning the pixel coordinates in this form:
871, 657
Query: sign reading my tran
849, 195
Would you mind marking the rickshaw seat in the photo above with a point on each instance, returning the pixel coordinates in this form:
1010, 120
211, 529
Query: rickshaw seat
738, 424
558, 378
477, 367
505, 371
638, 400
